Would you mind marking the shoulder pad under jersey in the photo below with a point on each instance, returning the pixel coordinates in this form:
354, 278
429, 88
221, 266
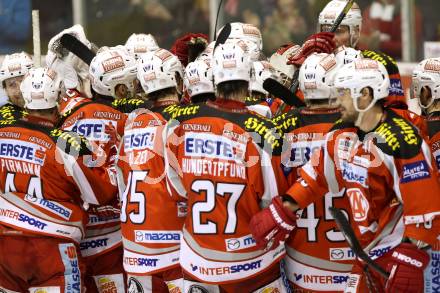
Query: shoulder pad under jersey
287, 122
263, 131
340, 125
250, 101
182, 113
398, 137
70, 142
10, 113
128, 105
434, 124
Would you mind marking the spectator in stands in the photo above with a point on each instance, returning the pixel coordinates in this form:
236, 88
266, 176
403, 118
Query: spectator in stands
382, 30
15, 24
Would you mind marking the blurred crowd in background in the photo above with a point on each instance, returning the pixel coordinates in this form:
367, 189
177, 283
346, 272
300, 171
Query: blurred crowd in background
281, 21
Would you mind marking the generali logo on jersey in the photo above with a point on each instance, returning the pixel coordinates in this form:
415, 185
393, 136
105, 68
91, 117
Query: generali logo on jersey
359, 204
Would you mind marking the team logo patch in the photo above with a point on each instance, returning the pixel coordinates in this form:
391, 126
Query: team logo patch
415, 171
197, 289
106, 285
359, 204
134, 286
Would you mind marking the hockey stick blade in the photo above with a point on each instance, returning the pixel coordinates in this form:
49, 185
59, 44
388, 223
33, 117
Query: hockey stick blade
76, 47
223, 36
278, 90
354, 244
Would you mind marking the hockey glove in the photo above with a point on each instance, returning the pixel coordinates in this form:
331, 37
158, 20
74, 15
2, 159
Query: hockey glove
272, 225
316, 43
405, 265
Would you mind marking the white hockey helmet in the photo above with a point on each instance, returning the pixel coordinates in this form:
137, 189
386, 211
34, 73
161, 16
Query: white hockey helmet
138, 44
40, 88
17, 64
110, 68
353, 19
248, 32
198, 78
157, 70
427, 74
280, 57
345, 55
360, 74
316, 76
230, 63
261, 70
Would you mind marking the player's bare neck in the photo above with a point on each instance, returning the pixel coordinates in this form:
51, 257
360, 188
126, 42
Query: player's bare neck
371, 118
166, 100
237, 96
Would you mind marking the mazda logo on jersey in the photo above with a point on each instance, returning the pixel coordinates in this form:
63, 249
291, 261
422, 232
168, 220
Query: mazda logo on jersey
232, 244
341, 253
337, 254
244, 242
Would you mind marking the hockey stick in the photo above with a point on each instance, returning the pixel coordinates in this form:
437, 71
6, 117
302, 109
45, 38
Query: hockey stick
223, 36
341, 16
78, 48
216, 20
352, 241
288, 96
36, 37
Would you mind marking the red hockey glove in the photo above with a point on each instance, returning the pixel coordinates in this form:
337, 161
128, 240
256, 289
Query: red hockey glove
405, 265
272, 225
316, 43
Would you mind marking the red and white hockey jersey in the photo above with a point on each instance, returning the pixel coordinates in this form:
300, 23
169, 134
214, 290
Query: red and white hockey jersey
44, 180
225, 161
388, 177
318, 257
151, 219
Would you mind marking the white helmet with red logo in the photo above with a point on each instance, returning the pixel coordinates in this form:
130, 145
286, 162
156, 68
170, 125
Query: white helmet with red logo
427, 74
353, 19
261, 70
17, 64
316, 76
230, 63
250, 35
345, 55
40, 89
157, 70
110, 68
360, 74
138, 44
198, 78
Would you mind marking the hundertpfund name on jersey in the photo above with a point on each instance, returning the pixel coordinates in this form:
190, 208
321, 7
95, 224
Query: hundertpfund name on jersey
203, 147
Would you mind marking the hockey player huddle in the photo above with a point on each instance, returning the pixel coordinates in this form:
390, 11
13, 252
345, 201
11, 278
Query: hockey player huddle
136, 174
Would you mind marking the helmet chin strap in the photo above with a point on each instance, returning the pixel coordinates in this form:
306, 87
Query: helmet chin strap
362, 112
